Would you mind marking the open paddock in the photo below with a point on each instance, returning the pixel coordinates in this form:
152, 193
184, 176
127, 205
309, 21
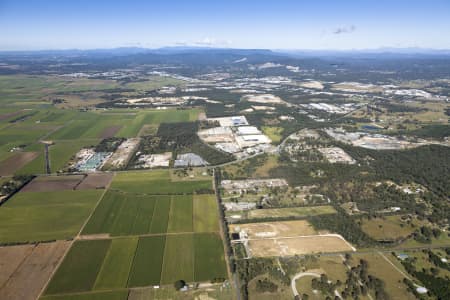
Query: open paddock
53, 183
275, 229
33, 272
289, 246
95, 181
44, 216
16, 162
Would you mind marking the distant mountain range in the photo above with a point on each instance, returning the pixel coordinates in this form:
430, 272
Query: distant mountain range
231, 51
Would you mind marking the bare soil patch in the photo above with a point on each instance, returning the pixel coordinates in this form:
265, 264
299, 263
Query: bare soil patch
10, 259
298, 245
95, 181
16, 162
10, 115
275, 229
53, 183
33, 273
110, 131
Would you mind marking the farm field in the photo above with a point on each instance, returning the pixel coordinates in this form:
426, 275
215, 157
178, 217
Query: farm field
53, 183
41, 216
122, 214
115, 264
15, 162
33, 270
157, 183
116, 295
70, 130
78, 271
389, 227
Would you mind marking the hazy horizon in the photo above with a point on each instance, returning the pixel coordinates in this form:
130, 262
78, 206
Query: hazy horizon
285, 25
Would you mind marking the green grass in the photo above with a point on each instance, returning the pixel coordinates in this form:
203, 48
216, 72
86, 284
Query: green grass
117, 264
178, 259
209, 257
160, 218
39, 216
274, 133
80, 267
181, 214
155, 117
122, 214
105, 214
291, 212
206, 214
116, 295
147, 263
156, 183
144, 215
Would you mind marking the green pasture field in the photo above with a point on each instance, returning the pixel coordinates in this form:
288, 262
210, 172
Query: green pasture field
115, 295
388, 227
155, 117
206, 215
154, 82
160, 218
117, 264
178, 259
181, 214
40, 216
80, 267
148, 261
125, 214
156, 183
209, 259
122, 214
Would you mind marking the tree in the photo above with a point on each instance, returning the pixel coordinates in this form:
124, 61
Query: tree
179, 284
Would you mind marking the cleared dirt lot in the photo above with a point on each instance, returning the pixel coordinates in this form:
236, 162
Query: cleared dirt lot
298, 245
16, 162
95, 181
34, 270
53, 183
275, 229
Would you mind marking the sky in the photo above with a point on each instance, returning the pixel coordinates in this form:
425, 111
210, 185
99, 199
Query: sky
276, 24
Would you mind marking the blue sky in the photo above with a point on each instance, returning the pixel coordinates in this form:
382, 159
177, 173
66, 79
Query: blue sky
314, 24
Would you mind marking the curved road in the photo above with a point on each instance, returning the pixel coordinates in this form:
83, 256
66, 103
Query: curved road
298, 276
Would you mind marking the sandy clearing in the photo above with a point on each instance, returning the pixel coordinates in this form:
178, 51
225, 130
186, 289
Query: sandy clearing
31, 276
275, 229
298, 245
16, 162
